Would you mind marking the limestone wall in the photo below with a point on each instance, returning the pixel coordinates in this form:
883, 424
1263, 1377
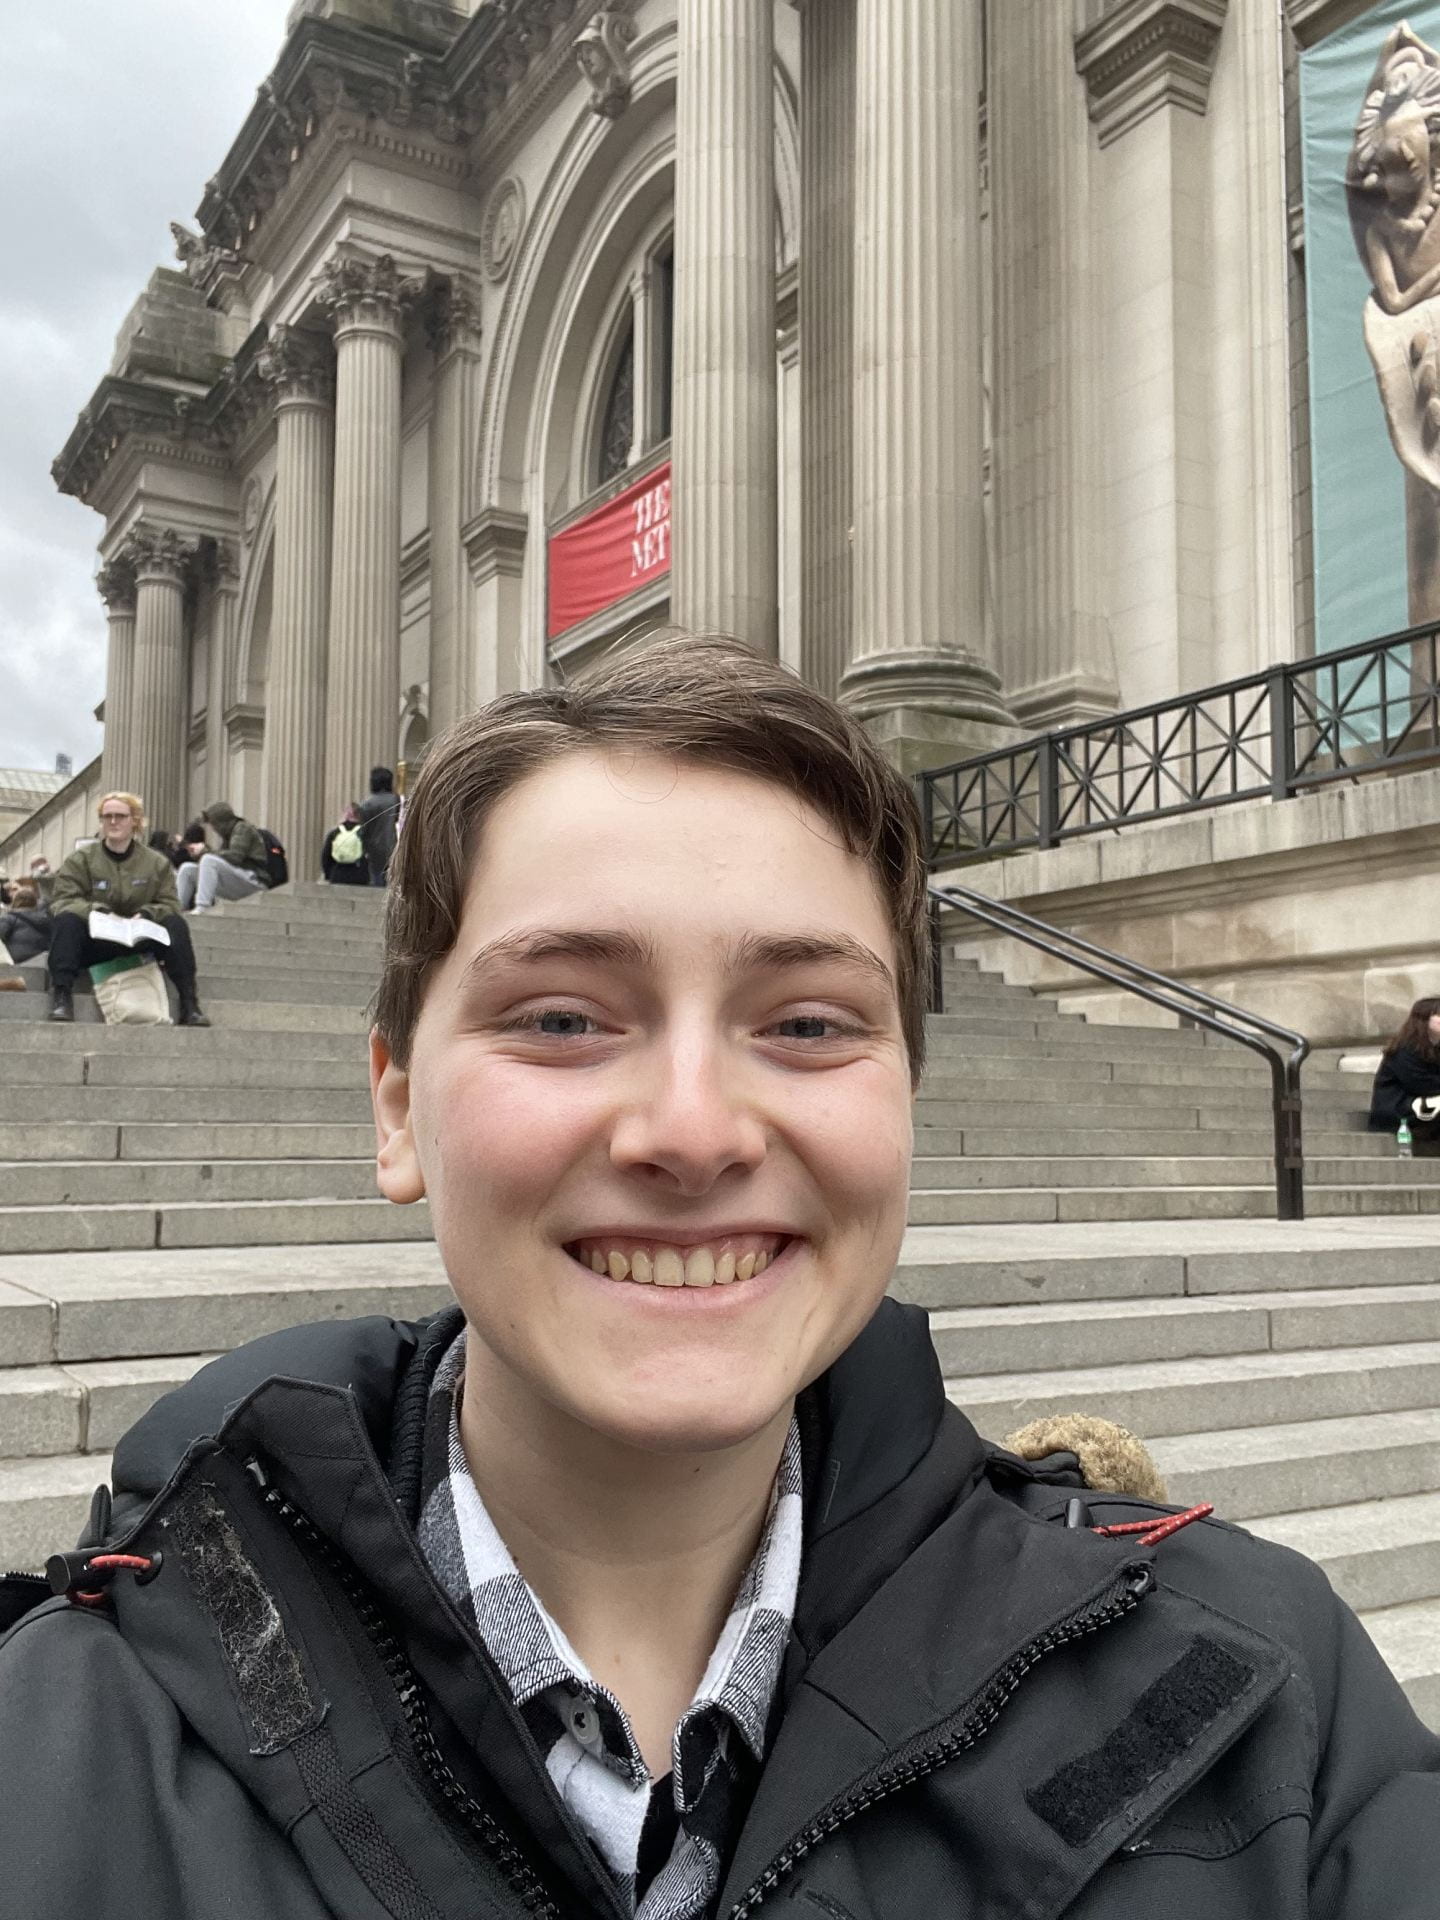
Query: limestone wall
1322, 912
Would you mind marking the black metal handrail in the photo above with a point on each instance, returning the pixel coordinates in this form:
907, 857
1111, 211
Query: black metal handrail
1335, 716
1190, 1003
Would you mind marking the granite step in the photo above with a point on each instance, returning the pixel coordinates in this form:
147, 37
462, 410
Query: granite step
1298, 1465
1209, 1393
1068, 1335
1377, 1553
979, 1171
44, 1504
1053, 1142
208, 1104
328, 1015
88, 1306
1037, 1205
269, 1065
67, 1184
209, 1223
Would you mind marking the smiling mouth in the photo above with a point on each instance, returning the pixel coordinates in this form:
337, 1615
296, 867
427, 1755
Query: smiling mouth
727, 1261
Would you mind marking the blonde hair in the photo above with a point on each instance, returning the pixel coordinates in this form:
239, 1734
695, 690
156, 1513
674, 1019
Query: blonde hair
132, 801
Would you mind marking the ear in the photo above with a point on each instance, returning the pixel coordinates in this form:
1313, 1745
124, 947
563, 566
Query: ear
397, 1165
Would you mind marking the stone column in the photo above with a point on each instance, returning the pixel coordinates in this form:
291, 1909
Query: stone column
161, 558
495, 542
224, 580
919, 672
725, 494
1052, 636
827, 321
367, 301
453, 322
298, 368
116, 583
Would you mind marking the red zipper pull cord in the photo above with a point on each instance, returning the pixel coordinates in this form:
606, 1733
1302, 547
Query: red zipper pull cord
1151, 1532
66, 1570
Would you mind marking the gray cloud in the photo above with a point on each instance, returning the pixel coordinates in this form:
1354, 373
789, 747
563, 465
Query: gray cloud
113, 115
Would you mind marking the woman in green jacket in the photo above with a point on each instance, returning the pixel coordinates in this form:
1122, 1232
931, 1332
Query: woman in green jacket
118, 874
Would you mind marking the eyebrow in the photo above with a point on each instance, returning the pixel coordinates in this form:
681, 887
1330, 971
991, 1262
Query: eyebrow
616, 948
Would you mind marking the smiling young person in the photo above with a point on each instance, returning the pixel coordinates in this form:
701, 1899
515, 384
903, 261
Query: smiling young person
656, 1576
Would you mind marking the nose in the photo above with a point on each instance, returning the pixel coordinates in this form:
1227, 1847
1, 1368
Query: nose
690, 1122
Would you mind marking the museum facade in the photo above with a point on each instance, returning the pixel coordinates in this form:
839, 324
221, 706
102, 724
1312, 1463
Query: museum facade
958, 354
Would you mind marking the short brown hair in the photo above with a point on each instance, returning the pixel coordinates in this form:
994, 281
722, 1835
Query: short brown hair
706, 700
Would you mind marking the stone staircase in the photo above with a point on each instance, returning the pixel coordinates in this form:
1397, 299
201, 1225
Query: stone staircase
1092, 1229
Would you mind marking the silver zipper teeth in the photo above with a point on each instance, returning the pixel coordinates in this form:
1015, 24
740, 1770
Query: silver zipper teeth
976, 1726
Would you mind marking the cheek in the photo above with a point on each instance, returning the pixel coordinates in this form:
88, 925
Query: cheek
493, 1137
858, 1138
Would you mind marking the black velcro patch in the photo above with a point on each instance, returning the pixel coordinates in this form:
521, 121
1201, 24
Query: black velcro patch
268, 1674
1169, 1716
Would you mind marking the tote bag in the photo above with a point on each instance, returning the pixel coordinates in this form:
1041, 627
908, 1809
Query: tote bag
131, 993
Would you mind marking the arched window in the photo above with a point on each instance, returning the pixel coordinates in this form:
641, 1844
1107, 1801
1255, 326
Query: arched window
617, 428
632, 405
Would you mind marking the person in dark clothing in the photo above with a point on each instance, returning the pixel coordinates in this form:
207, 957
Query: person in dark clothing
239, 867
345, 873
26, 928
657, 1578
379, 816
118, 874
1407, 1082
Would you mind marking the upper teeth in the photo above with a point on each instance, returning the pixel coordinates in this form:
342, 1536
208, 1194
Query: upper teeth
663, 1266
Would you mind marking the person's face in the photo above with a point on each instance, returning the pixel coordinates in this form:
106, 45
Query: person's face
117, 825
666, 1047
1434, 1025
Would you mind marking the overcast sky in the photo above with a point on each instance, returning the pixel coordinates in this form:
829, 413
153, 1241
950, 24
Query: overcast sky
113, 115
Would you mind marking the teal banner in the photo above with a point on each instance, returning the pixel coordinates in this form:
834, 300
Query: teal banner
1370, 125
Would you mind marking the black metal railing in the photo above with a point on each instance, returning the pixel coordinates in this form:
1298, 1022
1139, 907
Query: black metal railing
1336, 716
1189, 1003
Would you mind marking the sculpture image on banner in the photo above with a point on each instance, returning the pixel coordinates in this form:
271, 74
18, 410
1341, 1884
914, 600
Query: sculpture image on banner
1370, 118
1393, 187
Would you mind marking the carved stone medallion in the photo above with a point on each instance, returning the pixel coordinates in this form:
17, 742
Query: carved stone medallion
504, 224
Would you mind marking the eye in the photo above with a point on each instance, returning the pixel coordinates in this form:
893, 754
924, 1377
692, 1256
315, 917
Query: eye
809, 1026
554, 1023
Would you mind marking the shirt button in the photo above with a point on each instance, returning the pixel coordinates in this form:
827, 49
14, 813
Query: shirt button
584, 1722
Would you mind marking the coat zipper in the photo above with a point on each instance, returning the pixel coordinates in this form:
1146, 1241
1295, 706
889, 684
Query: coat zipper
520, 1876
1135, 1581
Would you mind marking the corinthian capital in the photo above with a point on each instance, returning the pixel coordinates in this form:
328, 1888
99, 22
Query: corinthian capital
372, 293
452, 316
158, 553
297, 365
115, 583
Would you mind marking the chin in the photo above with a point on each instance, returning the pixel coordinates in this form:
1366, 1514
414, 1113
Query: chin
678, 1422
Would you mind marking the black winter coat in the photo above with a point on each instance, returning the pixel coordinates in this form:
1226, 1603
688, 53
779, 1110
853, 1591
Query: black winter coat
983, 1714
26, 932
1402, 1076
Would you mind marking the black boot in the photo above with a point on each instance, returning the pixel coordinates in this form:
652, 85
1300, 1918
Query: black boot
190, 1014
62, 1004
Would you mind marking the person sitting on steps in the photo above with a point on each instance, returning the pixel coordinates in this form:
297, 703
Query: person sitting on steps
239, 868
1407, 1083
118, 874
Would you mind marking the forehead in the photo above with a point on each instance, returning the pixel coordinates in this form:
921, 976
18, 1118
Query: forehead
597, 834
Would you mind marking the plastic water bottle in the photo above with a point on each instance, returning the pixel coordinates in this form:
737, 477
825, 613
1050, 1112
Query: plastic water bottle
1403, 1141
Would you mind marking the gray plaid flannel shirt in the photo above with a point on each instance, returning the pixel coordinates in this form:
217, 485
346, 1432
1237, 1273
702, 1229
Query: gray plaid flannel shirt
666, 1842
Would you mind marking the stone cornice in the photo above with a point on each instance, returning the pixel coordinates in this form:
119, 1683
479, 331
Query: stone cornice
494, 543
190, 427
445, 101
1142, 55
1312, 20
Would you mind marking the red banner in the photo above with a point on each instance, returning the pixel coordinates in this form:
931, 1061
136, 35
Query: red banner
611, 553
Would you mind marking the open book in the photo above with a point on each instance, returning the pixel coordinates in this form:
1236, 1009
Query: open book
125, 933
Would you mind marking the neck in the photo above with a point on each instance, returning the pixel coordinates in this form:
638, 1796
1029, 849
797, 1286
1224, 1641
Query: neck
119, 846
636, 1555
